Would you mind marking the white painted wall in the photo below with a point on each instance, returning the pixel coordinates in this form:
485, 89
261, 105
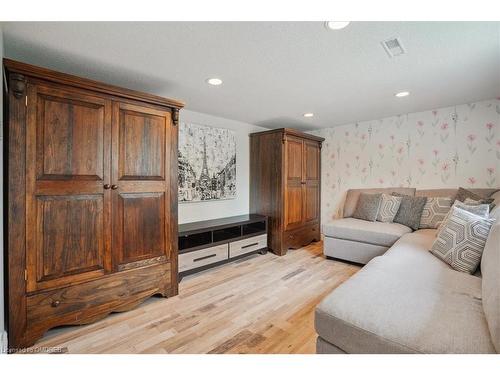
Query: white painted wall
3, 337
197, 211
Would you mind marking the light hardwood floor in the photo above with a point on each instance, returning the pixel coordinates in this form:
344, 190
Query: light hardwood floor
261, 304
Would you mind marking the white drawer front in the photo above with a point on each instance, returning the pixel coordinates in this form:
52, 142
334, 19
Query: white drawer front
247, 245
198, 258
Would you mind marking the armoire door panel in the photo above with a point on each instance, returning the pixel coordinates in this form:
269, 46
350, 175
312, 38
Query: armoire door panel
312, 153
311, 160
141, 199
70, 135
68, 141
293, 206
311, 202
68, 239
143, 226
294, 159
142, 135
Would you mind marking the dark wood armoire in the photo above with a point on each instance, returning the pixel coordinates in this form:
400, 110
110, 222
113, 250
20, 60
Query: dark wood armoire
91, 199
285, 185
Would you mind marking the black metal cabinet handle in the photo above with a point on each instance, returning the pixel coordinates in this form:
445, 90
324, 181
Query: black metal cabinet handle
252, 244
205, 257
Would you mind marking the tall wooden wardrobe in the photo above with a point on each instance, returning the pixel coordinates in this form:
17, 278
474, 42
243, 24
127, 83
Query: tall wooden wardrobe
285, 185
91, 199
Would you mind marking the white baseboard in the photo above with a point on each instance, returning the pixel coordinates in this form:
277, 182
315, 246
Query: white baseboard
3, 342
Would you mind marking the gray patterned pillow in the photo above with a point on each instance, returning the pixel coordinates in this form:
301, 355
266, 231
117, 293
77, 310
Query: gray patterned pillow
410, 210
389, 206
482, 210
434, 212
461, 241
367, 207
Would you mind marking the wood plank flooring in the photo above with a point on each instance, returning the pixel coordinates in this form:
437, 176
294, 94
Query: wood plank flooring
261, 304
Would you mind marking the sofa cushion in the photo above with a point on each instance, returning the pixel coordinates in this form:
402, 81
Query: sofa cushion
410, 211
434, 212
389, 207
461, 240
490, 266
368, 206
352, 197
406, 301
372, 232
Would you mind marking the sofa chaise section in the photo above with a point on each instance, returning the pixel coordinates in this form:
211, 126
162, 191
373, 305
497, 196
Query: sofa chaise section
359, 240
406, 301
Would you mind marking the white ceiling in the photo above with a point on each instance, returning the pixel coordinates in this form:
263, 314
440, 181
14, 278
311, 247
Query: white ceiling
273, 72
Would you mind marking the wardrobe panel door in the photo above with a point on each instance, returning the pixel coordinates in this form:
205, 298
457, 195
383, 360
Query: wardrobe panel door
294, 159
293, 206
142, 207
312, 154
294, 199
68, 210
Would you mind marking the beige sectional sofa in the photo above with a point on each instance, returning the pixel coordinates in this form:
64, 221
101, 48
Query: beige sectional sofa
407, 300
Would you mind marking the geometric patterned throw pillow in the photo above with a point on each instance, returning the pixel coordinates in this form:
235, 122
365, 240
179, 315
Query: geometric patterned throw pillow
473, 202
460, 242
389, 207
434, 212
478, 209
482, 210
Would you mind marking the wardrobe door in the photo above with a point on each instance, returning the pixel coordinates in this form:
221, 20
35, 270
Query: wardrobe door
311, 190
143, 215
293, 200
68, 138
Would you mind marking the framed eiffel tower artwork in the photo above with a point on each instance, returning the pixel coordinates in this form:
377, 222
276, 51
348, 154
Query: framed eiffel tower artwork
207, 163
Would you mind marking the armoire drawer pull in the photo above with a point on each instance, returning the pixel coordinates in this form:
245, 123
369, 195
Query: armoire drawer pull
205, 257
55, 303
114, 187
107, 186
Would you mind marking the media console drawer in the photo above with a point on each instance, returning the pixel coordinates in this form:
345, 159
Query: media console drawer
199, 258
247, 245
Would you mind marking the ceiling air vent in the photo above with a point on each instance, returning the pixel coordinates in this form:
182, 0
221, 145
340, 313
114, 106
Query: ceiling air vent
393, 47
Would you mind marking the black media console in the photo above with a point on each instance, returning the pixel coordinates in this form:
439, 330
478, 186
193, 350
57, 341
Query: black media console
205, 244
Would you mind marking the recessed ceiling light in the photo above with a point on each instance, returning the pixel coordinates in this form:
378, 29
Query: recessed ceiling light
336, 25
309, 114
402, 94
214, 81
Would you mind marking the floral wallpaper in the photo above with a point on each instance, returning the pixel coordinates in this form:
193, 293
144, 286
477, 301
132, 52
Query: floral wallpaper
445, 147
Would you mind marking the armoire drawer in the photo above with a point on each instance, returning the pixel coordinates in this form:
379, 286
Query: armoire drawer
80, 303
199, 258
301, 236
247, 245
